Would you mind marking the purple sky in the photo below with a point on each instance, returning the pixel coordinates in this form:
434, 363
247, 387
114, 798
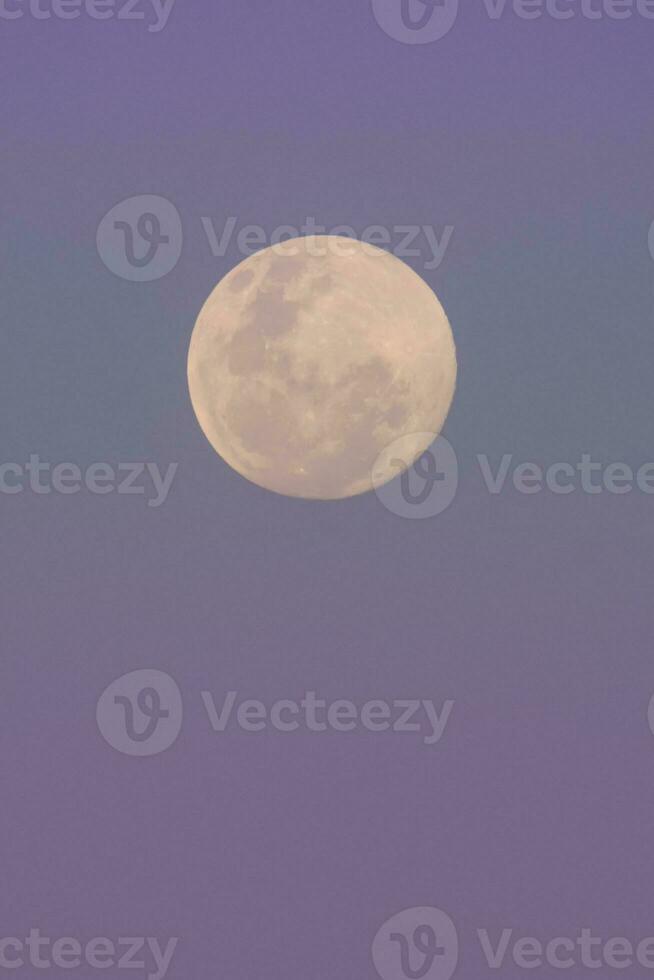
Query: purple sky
281, 855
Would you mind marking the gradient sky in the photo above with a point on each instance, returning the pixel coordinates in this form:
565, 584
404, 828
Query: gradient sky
280, 856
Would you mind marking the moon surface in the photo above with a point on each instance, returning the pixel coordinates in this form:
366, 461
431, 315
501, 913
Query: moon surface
311, 357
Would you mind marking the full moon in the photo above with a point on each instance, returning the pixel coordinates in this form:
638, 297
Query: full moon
313, 356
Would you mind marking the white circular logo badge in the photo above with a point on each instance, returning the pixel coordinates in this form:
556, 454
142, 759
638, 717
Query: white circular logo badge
140, 713
416, 21
140, 239
416, 944
425, 488
650, 714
